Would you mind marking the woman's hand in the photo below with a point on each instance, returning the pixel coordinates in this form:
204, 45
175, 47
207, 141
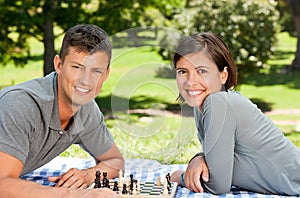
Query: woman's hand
196, 169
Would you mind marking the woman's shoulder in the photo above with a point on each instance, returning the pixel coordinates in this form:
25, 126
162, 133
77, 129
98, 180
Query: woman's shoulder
230, 97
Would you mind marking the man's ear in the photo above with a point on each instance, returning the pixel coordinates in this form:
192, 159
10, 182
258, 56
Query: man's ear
57, 64
224, 75
107, 73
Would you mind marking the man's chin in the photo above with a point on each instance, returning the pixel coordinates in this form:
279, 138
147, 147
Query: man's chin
78, 104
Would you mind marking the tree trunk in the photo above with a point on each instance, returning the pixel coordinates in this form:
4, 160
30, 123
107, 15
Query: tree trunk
296, 62
295, 8
49, 52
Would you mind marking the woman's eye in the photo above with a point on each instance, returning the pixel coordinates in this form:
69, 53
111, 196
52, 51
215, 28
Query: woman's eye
202, 71
181, 72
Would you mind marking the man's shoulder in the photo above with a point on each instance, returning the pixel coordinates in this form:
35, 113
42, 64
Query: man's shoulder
38, 89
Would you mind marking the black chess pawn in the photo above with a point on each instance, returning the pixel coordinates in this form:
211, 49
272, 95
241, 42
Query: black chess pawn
105, 181
116, 188
124, 191
97, 180
131, 183
168, 177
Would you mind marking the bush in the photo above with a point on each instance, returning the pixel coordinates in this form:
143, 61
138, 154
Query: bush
165, 71
248, 27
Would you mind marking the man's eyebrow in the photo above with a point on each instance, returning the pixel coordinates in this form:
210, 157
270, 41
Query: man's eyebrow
77, 63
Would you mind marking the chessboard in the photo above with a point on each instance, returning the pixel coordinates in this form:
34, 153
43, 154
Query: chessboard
148, 189
129, 187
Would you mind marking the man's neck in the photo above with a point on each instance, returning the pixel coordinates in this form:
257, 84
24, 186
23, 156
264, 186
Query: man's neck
66, 113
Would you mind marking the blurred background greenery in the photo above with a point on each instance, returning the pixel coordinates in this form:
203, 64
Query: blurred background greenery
139, 97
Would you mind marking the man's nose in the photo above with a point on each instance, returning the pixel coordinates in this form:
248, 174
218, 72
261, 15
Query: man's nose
84, 77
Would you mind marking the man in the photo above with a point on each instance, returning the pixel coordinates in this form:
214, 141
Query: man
41, 118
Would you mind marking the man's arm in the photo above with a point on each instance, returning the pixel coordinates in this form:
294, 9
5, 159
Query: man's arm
111, 162
12, 186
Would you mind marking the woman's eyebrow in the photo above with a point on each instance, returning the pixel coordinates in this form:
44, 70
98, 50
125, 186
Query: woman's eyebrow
202, 66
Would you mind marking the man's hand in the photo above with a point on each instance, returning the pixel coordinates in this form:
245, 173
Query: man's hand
197, 168
73, 178
98, 193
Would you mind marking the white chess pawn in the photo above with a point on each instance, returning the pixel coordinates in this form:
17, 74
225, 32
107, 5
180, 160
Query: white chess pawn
158, 182
165, 192
120, 184
134, 191
138, 186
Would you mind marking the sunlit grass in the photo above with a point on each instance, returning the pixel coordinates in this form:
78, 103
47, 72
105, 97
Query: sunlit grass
167, 139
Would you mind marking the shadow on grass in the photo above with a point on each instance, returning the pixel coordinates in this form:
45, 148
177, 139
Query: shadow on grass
262, 105
144, 102
275, 76
281, 55
121, 104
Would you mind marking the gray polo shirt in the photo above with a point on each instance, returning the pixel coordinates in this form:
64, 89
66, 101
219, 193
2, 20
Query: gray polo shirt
30, 128
242, 147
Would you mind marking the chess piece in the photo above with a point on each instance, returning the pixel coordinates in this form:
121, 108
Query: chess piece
134, 191
158, 182
165, 191
120, 184
124, 191
138, 186
97, 180
168, 177
131, 183
115, 188
105, 181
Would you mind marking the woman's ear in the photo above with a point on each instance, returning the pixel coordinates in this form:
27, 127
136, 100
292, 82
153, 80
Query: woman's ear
57, 64
224, 75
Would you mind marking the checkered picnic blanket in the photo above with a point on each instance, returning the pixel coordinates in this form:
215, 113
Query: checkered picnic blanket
142, 169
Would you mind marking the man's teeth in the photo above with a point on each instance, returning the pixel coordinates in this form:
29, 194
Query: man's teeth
82, 90
194, 92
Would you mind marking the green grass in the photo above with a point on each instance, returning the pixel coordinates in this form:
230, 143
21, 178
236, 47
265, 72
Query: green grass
132, 85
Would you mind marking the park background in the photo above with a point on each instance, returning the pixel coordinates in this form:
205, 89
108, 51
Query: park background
139, 98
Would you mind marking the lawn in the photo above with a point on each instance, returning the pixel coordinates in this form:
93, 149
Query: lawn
170, 138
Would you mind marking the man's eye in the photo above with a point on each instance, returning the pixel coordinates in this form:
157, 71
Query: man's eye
76, 67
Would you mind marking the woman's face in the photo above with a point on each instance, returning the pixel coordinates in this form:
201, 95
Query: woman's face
198, 76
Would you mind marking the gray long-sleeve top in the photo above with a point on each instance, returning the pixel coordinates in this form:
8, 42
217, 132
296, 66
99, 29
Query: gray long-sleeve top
243, 148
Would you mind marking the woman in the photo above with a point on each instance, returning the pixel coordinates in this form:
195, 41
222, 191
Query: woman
241, 146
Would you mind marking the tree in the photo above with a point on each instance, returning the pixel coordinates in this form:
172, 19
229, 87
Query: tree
21, 20
248, 27
294, 6
35, 18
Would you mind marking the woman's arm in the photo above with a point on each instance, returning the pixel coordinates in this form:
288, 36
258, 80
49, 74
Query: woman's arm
219, 127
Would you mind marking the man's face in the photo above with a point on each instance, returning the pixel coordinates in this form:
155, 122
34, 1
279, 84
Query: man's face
81, 76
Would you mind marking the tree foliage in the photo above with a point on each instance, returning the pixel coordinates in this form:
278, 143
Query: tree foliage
248, 27
22, 19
